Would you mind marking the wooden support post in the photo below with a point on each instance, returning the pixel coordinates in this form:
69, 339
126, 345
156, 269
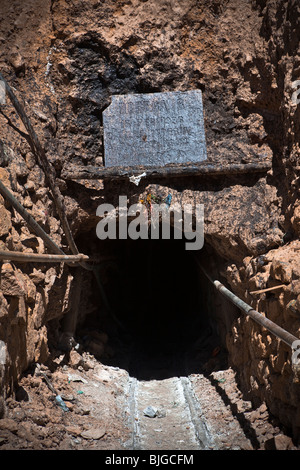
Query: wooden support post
42, 160
281, 286
69, 322
5, 192
265, 322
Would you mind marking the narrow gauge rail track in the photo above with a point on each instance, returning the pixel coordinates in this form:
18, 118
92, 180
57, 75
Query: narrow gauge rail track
189, 412
178, 423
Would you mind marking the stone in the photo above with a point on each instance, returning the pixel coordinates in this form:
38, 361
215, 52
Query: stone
67, 397
150, 412
5, 176
74, 430
88, 364
93, 433
84, 411
263, 408
6, 157
154, 129
104, 375
18, 166
75, 359
17, 61
37, 276
8, 424
76, 378
11, 282
5, 219
281, 270
279, 442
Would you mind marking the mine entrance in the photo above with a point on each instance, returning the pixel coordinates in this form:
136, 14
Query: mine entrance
155, 306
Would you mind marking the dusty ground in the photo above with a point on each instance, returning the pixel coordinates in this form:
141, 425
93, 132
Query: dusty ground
100, 415
65, 60
92, 396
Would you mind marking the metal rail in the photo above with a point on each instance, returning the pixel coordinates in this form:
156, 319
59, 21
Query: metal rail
282, 334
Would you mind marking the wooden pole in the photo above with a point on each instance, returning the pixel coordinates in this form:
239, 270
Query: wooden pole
267, 290
49, 172
279, 332
19, 256
71, 172
4, 191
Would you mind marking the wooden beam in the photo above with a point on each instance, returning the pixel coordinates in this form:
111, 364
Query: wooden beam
258, 317
268, 289
40, 154
40, 258
72, 172
7, 194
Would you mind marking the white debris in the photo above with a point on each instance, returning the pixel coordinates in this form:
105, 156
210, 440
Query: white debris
136, 179
77, 378
150, 411
2, 353
2, 92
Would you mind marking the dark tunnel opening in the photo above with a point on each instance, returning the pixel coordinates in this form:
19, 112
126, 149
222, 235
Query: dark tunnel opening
155, 306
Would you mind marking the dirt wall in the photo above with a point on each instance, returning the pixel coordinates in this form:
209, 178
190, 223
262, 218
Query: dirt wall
65, 59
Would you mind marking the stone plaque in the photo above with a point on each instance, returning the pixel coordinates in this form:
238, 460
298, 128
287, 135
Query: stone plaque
154, 129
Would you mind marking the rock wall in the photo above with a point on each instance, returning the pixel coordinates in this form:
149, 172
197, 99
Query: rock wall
31, 294
65, 60
264, 362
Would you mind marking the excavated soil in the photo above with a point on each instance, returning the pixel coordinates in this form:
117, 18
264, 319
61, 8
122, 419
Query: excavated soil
103, 413
64, 60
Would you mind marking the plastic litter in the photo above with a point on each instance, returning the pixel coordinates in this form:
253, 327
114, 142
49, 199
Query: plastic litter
168, 199
136, 179
58, 398
61, 403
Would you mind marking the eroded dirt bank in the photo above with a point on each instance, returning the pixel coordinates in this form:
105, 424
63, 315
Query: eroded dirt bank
65, 60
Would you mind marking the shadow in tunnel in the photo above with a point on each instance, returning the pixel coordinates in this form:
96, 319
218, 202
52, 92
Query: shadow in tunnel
159, 325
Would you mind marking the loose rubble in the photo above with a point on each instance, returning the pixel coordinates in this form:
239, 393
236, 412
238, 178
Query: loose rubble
65, 60
97, 411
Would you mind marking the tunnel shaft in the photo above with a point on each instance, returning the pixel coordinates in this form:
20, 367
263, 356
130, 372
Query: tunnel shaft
155, 305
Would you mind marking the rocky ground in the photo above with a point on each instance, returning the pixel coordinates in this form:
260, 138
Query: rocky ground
92, 395
96, 412
64, 61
